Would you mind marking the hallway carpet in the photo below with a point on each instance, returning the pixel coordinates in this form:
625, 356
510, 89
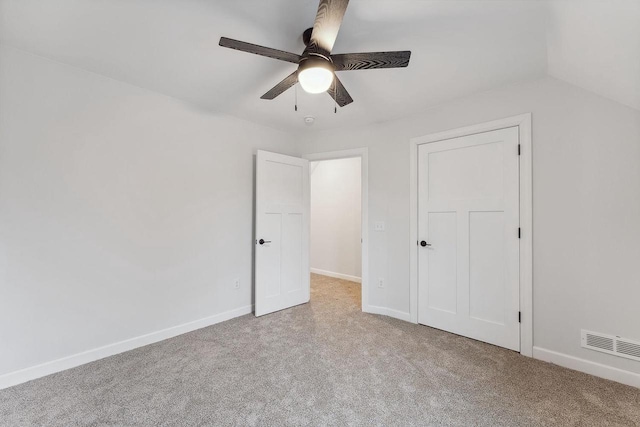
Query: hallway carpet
322, 363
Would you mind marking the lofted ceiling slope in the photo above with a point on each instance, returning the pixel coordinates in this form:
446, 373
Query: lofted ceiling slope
596, 45
171, 47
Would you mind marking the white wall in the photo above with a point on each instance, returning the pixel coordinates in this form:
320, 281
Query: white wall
595, 45
122, 212
336, 217
586, 206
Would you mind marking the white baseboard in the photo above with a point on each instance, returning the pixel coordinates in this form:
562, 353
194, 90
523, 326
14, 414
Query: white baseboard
374, 309
47, 368
587, 366
336, 275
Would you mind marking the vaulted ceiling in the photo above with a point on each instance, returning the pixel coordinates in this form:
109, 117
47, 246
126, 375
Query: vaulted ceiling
459, 48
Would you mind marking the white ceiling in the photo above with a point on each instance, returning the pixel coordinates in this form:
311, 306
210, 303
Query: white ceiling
596, 45
458, 48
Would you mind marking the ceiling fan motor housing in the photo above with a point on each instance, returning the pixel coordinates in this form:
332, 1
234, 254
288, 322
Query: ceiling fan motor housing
306, 36
314, 60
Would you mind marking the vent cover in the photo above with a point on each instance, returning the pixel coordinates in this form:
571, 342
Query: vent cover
611, 344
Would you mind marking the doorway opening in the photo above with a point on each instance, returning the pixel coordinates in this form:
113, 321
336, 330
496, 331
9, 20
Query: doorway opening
338, 224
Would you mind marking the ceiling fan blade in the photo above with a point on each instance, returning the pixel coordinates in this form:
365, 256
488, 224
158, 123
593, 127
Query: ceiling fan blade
339, 93
371, 60
327, 25
260, 50
285, 84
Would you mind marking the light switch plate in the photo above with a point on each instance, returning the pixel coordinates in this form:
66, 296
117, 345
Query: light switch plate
378, 226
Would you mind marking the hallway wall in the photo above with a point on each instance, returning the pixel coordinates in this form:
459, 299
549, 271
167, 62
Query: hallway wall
336, 218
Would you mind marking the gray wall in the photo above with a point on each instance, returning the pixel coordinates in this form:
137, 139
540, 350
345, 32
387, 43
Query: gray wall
586, 206
122, 212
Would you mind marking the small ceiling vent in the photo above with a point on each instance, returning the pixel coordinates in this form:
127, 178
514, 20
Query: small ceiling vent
611, 344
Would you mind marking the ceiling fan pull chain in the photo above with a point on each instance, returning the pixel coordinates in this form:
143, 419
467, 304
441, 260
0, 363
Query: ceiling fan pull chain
335, 98
296, 90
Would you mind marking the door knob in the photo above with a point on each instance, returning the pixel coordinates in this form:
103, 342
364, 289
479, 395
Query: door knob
423, 244
262, 241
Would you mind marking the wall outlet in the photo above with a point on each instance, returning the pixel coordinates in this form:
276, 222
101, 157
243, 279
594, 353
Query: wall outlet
380, 282
378, 226
236, 284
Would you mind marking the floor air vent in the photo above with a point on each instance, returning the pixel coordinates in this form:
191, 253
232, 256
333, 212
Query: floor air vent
611, 344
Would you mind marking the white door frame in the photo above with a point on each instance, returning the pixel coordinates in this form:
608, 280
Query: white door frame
523, 122
363, 154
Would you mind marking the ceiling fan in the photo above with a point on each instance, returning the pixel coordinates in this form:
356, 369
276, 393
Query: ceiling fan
317, 66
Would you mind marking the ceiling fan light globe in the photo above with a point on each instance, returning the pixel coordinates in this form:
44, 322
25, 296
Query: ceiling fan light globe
315, 74
315, 79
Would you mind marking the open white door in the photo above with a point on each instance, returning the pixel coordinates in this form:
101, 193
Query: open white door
282, 232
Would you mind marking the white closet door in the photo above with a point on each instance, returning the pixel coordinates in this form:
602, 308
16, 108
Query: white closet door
468, 219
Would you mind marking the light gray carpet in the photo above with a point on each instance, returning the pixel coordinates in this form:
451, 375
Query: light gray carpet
323, 363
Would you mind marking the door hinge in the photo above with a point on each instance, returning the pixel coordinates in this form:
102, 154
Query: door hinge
518, 149
519, 317
519, 233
